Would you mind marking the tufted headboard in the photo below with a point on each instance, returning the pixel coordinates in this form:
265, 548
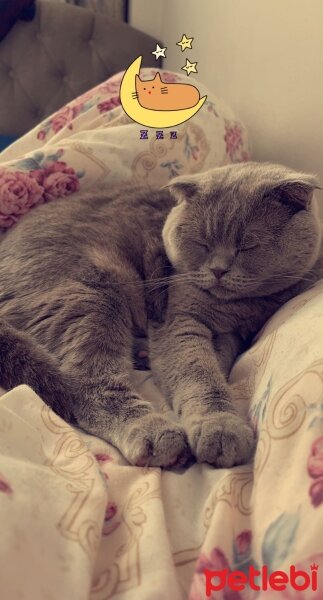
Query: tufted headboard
64, 51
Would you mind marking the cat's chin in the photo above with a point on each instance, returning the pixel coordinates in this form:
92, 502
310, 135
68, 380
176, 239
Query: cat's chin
220, 291
224, 292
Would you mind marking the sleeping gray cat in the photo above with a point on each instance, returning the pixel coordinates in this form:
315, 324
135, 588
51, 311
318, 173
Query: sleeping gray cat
240, 241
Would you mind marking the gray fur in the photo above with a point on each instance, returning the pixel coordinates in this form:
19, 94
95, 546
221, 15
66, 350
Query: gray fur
81, 277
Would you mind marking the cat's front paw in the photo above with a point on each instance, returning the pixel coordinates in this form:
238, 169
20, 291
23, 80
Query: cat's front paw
221, 439
155, 441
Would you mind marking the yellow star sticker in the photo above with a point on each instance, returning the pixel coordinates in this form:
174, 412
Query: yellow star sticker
185, 42
190, 67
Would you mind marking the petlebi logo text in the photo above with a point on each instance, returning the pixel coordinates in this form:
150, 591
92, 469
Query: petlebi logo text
257, 580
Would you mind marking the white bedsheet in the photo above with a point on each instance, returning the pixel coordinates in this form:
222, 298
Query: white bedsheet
77, 522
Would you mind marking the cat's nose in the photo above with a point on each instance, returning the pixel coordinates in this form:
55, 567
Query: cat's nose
218, 272
149, 92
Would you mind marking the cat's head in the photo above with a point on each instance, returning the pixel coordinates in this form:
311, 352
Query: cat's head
150, 86
243, 230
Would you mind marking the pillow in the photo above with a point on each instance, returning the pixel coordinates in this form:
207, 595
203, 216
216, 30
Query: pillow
92, 140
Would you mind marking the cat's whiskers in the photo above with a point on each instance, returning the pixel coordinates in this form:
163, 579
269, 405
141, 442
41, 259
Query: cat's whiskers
173, 276
164, 286
158, 281
167, 280
291, 277
162, 291
163, 268
171, 285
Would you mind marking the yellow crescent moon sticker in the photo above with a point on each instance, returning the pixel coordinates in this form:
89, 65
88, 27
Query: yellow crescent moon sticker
146, 116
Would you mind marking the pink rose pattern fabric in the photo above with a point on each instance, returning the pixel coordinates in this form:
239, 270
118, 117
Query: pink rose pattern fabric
107, 105
315, 471
19, 191
294, 536
234, 142
218, 561
5, 487
49, 162
274, 557
50, 179
110, 523
62, 156
153, 532
60, 120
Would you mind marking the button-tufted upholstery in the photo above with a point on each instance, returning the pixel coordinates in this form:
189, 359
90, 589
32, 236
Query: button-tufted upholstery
63, 52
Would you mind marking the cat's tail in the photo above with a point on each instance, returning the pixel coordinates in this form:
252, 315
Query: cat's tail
22, 360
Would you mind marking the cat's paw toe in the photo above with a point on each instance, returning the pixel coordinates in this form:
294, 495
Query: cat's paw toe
140, 354
155, 441
223, 440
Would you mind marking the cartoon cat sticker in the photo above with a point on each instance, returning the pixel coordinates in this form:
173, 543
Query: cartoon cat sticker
155, 103
155, 94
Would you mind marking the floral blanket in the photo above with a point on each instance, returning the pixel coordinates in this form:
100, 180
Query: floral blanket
78, 523
91, 140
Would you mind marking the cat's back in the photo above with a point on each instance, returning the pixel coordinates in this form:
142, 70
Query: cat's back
71, 211
51, 239
70, 218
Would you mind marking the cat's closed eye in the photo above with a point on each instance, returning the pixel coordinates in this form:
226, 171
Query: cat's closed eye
248, 247
203, 246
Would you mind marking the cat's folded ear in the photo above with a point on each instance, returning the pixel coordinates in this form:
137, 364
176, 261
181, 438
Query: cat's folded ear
294, 190
183, 188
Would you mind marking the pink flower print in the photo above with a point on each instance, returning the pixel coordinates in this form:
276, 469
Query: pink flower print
59, 180
41, 134
243, 543
102, 458
5, 486
109, 104
245, 156
18, 192
215, 562
38, 175
86, 96
232, 138
110, 86
316, 492
169, 77
110, 513
65, 116
315, 461
315, 470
